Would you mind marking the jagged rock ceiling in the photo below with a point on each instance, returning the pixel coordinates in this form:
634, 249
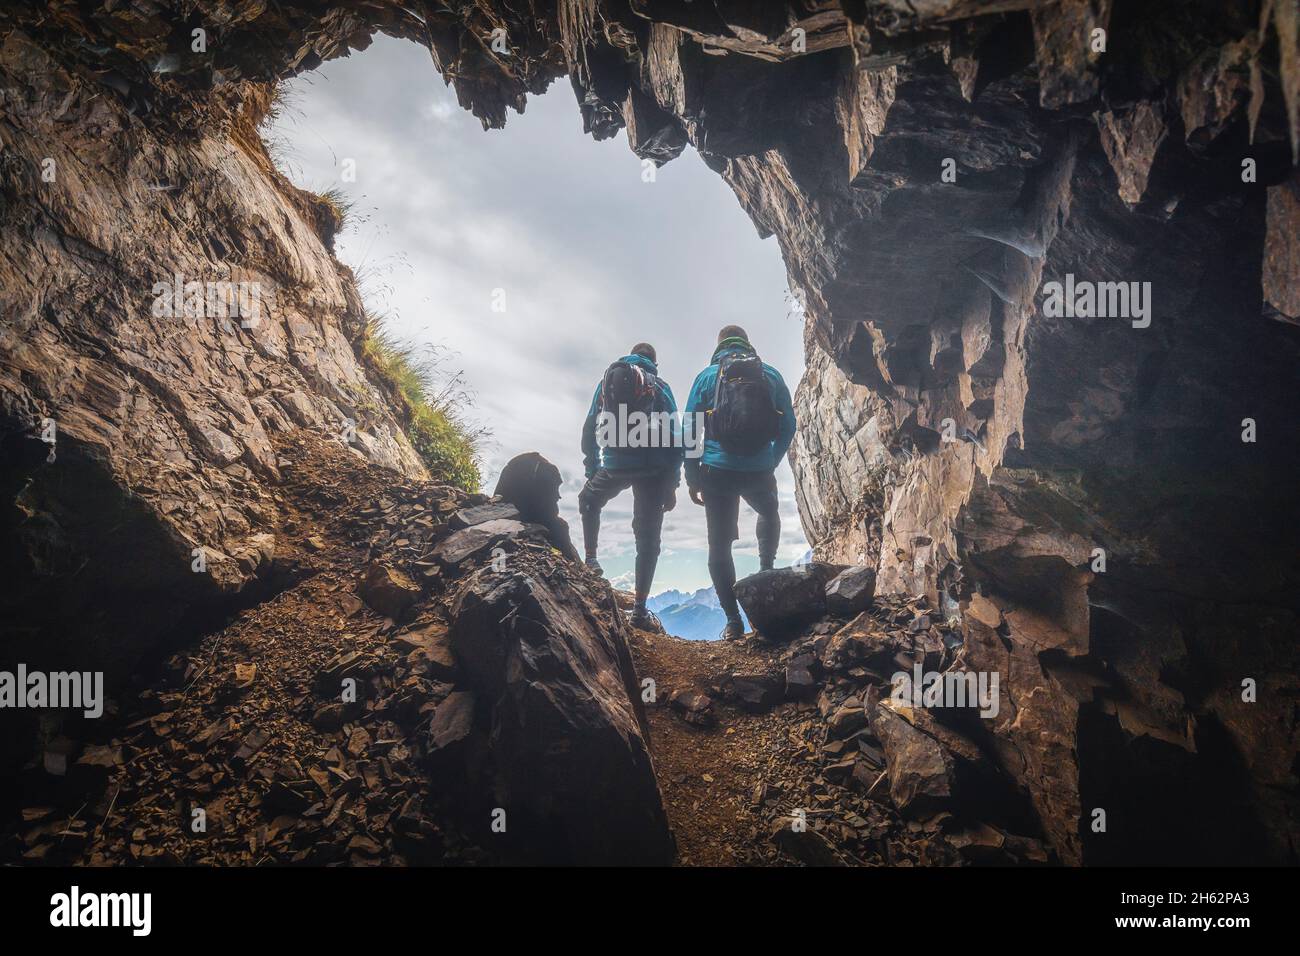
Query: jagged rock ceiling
834, 124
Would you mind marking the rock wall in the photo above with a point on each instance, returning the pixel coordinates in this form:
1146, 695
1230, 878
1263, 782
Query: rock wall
928, 169
169, 302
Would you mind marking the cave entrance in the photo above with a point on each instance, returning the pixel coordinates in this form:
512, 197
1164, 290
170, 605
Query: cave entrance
530, 258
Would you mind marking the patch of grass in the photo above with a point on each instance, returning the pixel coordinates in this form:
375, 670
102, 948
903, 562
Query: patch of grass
276, 104
433, 402
339, 206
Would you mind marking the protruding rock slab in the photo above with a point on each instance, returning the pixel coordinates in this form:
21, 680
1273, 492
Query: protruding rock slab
782, 601
568, 735
921, 774
850, 592
1063, 32
469, 542
452, 723
480, 514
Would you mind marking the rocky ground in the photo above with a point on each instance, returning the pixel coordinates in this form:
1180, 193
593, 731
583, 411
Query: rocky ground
375, 711
751, 737
949, 423
235, 727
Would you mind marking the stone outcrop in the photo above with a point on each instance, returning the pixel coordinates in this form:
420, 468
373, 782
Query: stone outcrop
391, 711
1075, 486
168, 304
850, 592
780, 601
568, 737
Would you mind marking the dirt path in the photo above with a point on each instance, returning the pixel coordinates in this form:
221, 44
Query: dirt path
708, 775
733, 788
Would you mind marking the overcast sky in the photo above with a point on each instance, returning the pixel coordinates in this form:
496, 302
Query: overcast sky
591, 260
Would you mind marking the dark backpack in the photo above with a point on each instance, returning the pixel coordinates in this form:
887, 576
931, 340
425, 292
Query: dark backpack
630, 385
744, 419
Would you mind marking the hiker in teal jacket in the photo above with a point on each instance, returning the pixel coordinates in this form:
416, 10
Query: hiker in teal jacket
649, 463
719, 478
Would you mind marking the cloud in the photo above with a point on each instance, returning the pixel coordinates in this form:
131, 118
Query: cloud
625, 581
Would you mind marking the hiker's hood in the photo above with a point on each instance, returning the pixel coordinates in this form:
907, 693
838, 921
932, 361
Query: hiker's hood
642, 361
733, 344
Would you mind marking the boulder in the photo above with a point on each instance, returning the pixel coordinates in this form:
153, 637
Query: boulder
753, 692
349, 664
864, 641
850, 592
329, 718
532, 484
387, 590
933, 766
782, 601
847, 719
921, 774
568, 732
693, 707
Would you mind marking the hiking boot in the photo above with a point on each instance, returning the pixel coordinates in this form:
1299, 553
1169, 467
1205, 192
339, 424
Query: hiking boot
643, 619
594, 565
734, 631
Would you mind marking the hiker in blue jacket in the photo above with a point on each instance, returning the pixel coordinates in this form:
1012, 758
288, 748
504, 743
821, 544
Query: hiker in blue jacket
748, 421
632, 439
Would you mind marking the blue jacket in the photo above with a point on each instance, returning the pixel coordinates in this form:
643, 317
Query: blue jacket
701, 400
625, 459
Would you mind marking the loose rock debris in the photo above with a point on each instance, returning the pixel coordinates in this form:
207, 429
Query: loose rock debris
384, 705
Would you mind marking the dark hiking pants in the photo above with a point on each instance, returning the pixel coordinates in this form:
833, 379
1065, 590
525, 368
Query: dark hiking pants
722, 491
649, 489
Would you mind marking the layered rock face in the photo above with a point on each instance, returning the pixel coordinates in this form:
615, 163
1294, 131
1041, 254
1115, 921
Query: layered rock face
169, 303
1102, 488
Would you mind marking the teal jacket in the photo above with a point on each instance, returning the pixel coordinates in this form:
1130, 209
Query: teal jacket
701, 400
626, 459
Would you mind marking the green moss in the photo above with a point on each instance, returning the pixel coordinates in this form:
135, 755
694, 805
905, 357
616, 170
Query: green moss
430, 400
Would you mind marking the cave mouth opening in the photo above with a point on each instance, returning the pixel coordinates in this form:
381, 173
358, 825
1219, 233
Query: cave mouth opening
1159, 163
535, 257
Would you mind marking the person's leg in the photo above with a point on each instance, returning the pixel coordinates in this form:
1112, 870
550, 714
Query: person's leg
647, 530
596, 493
721, 510
760, 494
